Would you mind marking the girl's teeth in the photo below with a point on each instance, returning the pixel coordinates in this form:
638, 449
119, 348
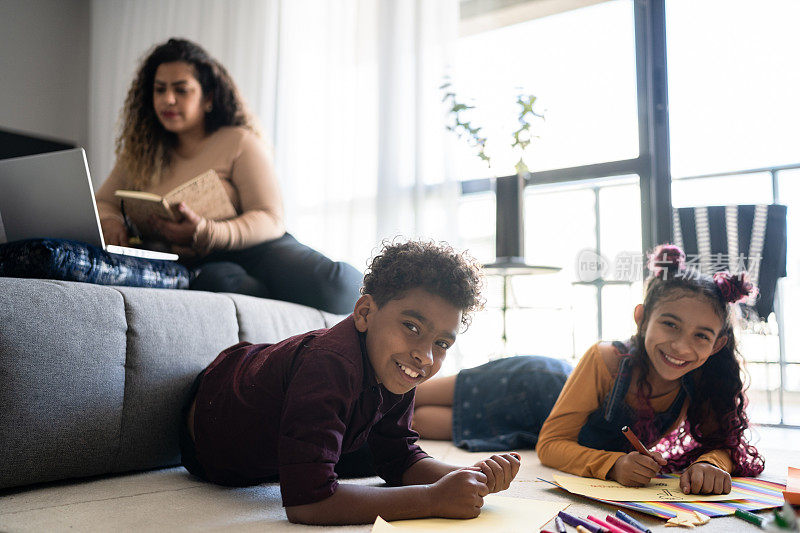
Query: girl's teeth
674, 361
408, 371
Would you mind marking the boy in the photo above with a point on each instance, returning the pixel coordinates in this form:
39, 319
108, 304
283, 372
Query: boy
291, 409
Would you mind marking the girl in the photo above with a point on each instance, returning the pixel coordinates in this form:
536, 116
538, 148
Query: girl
184, 115
676, 383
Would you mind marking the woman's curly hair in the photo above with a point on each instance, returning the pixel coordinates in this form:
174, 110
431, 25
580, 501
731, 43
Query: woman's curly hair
436, 267
143, 146
716, 417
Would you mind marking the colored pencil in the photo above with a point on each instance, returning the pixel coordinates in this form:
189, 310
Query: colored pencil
614, 521
603, 523
749, 517
574, 521
625, 517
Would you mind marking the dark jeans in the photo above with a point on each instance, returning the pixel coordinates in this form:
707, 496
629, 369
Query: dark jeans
281, 269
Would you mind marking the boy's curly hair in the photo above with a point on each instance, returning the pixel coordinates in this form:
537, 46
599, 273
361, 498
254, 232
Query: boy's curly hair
435, 267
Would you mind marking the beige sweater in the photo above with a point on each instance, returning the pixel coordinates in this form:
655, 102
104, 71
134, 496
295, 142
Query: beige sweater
242, 161
583, 393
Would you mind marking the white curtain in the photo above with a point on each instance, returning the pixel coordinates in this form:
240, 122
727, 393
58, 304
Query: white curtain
346, 90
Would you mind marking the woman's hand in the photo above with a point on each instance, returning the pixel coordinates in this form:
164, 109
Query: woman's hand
705, 478
114, 231
182, 232
459, 494
499, 470
636, 469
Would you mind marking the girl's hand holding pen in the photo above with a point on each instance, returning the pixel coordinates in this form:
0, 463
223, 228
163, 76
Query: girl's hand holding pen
636, 469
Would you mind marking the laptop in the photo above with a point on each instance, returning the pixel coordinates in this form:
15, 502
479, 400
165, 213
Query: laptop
50, 196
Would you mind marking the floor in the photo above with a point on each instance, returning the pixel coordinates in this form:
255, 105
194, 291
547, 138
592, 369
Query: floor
171, 500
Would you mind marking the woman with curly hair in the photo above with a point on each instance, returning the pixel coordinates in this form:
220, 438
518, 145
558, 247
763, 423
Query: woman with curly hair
677, 383
183, 116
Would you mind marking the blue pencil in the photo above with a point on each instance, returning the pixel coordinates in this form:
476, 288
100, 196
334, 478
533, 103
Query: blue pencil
632, 521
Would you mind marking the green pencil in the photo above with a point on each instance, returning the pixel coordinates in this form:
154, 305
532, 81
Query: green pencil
750, 517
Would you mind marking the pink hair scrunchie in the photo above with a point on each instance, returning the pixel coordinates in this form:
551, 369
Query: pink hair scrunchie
666, 258
734, 288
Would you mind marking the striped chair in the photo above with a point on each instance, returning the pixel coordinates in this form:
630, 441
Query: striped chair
738, 237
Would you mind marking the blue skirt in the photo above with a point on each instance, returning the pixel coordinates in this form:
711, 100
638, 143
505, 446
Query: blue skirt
502, 404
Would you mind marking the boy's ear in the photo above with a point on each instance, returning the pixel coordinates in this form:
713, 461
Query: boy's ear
638, 315
365, 306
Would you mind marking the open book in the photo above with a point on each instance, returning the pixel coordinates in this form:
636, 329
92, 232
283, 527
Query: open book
204, 194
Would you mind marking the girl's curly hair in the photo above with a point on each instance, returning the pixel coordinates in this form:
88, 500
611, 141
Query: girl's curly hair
143, 146
716, 417
435, 267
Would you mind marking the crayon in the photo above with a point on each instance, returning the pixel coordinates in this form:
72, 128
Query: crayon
614, 521
560, 525
603, 523
632, 521
750, 517
634, 440
789, 515
574, 521
780, 521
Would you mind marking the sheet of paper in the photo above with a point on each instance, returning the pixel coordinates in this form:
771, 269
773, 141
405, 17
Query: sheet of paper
659, 490
499, 513
792, 492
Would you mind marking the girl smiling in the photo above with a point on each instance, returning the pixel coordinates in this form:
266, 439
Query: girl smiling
676, 382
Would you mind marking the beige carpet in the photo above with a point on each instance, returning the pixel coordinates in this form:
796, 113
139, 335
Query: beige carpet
171, 500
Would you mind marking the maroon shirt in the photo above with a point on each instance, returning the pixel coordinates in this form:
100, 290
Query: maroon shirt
291, 409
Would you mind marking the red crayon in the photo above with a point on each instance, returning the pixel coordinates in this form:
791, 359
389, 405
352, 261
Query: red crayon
603, 523
634, 440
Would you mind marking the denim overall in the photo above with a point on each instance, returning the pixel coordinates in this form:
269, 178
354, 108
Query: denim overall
602, 430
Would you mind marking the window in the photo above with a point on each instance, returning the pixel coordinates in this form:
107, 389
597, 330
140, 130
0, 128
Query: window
581, 67
733, 140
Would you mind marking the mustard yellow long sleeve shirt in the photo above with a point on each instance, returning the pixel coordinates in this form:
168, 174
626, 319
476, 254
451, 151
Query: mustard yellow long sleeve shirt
242, 161
583, 393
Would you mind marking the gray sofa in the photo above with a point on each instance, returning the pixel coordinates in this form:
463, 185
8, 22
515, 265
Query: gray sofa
92, 377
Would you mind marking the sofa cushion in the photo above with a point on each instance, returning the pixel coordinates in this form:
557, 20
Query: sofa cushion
77, 261
92, 378
62, 375
275, 321
172, 336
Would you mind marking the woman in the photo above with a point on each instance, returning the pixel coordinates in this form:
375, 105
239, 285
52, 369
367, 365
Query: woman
183, 115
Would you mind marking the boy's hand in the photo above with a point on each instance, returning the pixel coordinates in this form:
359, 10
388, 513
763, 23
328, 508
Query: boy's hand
459, 494
499, 470
636, 469
705, 478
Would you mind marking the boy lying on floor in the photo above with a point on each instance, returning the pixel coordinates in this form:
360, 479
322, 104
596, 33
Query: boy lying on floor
288, 411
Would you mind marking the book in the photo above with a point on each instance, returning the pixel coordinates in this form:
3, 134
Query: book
204, 194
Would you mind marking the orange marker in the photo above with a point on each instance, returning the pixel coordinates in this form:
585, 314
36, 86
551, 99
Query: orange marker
633, 439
